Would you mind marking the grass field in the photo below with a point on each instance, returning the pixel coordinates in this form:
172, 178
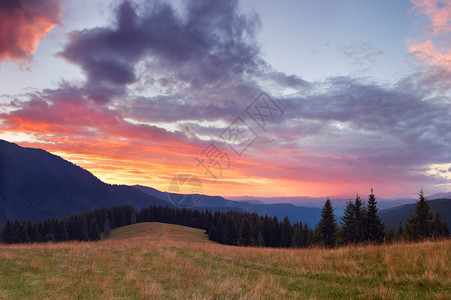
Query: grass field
154, 260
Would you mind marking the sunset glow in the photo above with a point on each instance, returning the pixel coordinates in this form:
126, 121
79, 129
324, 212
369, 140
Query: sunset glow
165, 83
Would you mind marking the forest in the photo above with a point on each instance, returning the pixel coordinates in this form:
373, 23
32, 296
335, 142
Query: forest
360, 224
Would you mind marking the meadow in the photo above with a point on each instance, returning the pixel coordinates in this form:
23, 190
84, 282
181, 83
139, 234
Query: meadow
156, 260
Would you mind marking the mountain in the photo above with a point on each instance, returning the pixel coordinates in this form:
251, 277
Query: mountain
310, 215
440, 196
392, 216
35, 184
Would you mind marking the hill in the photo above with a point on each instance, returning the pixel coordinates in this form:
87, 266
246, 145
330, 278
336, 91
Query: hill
35, 184
159, 232
309, 215
392, 216
161, 261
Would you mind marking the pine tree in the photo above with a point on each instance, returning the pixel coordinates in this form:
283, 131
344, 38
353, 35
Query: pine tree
297, 241
375, 229
93, 230
230, 235
327, 226
106, 227
390, 235
286, 233
439, 228
260, 241
9, 234
349, 224
419, 225
400, 234
22, 235
360, 214
245, 233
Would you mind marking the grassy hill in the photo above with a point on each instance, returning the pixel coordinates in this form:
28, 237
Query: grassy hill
154, 260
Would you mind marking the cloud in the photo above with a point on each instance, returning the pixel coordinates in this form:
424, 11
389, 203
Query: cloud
437, 11
360, 54
23, 23
435, 50
428, 52
212, 44
159, 86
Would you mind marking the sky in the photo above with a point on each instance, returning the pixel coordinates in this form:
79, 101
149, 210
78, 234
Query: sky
262, 98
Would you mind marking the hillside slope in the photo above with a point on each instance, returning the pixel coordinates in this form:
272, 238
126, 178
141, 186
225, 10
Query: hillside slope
35, 184
173, 268
392, 216
159, 232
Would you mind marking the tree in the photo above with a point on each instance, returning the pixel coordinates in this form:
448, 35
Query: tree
375, 229
230, 236
9, 235
360, 215
400, 234
286, 233
419, 225
297, 241
327, 226
439, 228
93, 230
348, 231
260, 241
106, 227
245, 233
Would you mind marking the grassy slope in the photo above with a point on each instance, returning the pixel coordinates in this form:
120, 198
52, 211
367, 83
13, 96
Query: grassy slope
154, 260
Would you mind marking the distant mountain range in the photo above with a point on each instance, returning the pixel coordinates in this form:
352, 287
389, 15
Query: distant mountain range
35, 185
309, 215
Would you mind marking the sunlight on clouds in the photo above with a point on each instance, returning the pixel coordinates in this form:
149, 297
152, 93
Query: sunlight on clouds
443, 171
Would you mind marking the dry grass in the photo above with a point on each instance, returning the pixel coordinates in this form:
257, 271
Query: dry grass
154, 260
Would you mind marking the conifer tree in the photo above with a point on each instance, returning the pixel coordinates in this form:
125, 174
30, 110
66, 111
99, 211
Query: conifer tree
245, 233
439, 228
106, 227
348, 231
297, 239
360, 214
286, 233
419, 225
399, 234
375, 229
327, 226
9, 234
260, 241
93, 230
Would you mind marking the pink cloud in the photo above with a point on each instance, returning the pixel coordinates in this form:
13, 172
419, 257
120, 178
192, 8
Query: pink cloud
23, 24
435, 50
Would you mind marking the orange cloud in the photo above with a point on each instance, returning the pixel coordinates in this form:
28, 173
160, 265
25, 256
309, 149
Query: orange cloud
23, 24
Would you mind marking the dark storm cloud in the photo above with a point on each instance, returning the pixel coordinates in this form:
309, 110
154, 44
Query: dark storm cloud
214, 43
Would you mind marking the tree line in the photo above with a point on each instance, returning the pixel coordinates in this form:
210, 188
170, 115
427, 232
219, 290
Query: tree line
360, 224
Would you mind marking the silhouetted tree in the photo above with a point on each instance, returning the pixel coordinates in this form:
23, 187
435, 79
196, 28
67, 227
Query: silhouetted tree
375, 229
106, 227
439, 228
93, 230
360, 216
327, 226
9, 234
419, 225
348, 231
245, 232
